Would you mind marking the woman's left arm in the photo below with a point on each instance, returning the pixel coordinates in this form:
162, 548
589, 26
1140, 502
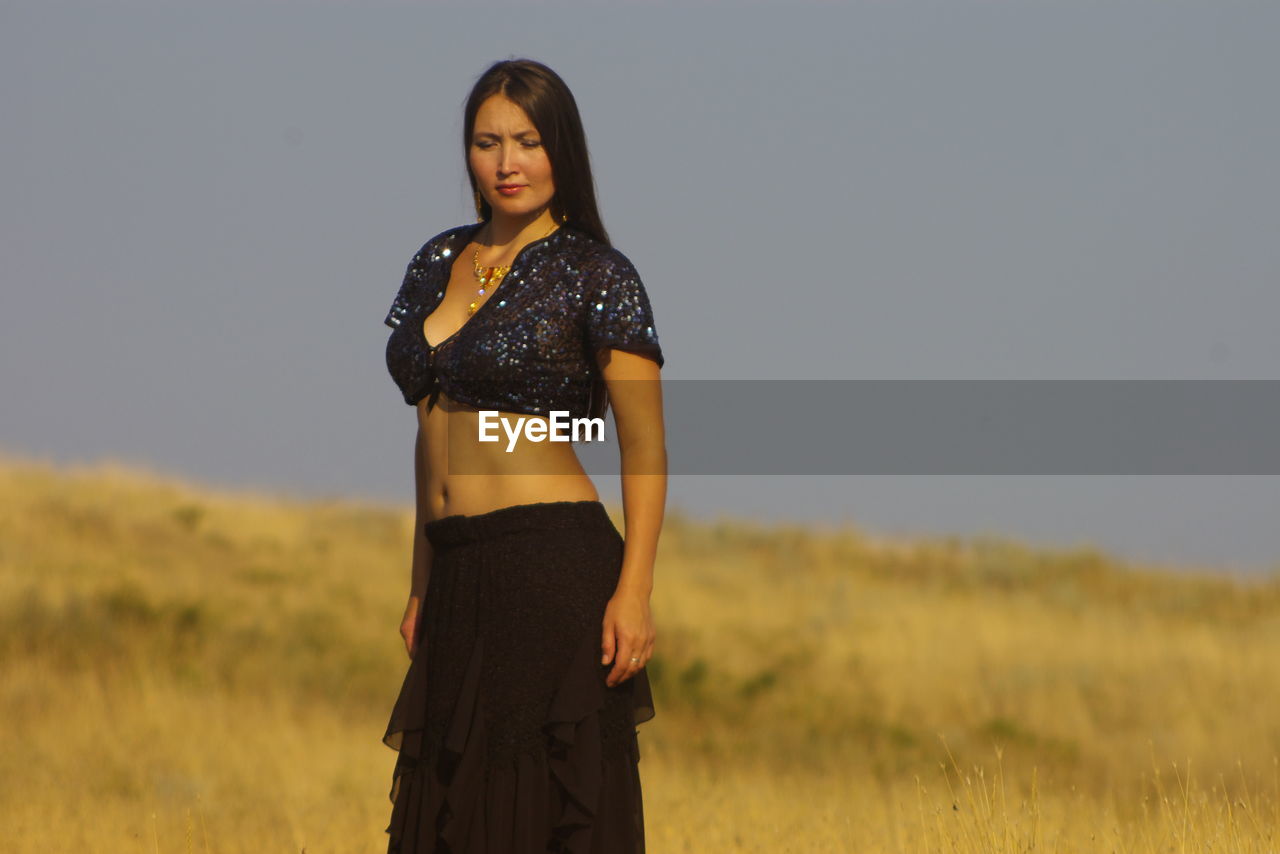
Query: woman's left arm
635, 392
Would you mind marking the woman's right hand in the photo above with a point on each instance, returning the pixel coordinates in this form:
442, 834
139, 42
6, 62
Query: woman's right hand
409, 625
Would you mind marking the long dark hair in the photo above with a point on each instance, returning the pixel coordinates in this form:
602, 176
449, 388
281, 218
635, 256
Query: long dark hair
549, 104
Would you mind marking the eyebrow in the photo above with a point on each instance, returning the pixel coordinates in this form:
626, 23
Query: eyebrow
497, 136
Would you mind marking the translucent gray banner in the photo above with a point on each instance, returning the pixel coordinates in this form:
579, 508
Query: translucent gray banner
958, 427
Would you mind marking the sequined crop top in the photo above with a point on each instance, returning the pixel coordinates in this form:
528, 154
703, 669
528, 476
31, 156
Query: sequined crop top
530, 347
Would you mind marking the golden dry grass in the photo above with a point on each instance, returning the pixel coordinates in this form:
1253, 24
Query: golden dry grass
188, 670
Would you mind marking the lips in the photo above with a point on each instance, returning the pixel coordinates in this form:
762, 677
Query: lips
510, 189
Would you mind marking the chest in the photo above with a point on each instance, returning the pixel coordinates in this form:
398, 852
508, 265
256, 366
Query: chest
456, 299
532, 322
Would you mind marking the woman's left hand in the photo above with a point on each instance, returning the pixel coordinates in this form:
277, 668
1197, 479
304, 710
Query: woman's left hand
628, 632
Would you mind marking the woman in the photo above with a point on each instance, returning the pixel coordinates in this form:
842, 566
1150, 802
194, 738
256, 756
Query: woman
527, 625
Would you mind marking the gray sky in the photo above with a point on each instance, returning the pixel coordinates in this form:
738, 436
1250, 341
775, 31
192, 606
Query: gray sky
207, 208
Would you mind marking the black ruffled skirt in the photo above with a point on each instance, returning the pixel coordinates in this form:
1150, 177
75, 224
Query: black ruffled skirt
510, 741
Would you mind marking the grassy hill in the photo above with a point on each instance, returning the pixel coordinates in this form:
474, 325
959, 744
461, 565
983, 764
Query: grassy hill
184, 669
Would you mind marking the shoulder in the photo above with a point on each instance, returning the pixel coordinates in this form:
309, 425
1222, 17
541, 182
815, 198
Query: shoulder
604, 263
439, 245
612, 274
416, 273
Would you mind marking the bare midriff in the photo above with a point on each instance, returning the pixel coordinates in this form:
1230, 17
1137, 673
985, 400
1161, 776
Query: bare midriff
466, 476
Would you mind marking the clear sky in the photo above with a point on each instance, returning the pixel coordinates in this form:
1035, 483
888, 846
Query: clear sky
207, 207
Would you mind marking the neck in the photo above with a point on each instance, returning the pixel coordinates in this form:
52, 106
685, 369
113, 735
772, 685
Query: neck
505, 230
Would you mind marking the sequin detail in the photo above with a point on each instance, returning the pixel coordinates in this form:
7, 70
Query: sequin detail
530, 348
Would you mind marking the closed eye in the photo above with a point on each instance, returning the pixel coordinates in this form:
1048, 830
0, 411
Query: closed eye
486, 145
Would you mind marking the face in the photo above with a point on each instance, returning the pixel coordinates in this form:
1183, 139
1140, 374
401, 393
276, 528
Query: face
506, 151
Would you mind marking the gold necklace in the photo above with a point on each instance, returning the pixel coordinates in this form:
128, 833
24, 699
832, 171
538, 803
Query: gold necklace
490, 277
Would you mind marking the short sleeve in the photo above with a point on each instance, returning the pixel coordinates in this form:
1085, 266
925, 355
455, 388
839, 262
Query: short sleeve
618, 313
399, 309
403, 302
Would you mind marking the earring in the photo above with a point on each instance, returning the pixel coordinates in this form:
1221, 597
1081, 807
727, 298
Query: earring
479, 206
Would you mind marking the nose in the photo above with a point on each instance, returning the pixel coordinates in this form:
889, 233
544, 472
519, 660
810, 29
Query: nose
507, 163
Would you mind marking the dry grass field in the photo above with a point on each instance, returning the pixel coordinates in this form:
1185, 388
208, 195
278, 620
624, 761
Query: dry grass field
188, 670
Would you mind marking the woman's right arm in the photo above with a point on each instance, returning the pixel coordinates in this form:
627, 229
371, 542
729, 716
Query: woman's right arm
421, 571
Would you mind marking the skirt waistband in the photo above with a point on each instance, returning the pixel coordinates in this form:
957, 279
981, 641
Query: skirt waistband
458, 528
